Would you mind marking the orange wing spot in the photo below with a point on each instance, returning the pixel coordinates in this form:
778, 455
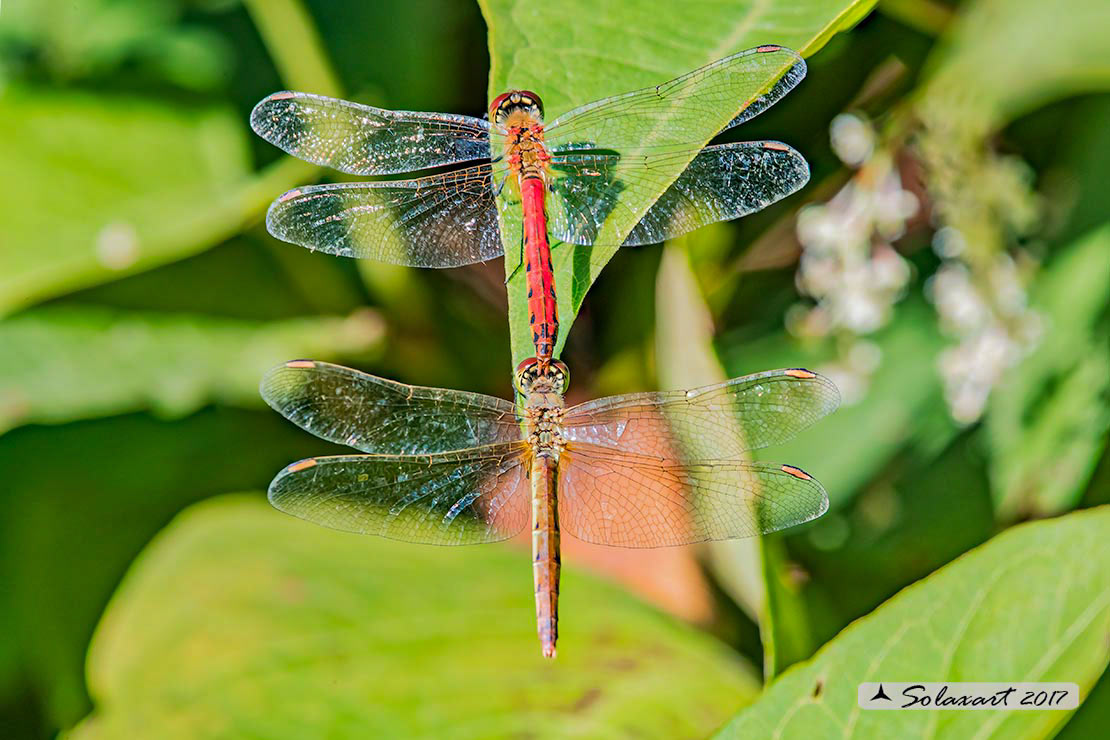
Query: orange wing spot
291, 194
768, 47
797, 372
301, 363
282, 95
302, 465
776, 146
796, 472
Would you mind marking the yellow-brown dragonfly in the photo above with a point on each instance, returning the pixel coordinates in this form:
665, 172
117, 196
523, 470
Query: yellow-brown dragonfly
449, 467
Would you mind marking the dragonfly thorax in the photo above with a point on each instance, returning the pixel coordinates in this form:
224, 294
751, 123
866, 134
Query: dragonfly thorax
528, 155
545, 429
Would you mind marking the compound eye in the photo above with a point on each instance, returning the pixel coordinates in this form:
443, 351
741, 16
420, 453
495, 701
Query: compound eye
495, 107
525, 374
562, 373
534, 102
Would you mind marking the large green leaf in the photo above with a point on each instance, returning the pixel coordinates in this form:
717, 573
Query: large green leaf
1047, 423
1033, 604
571, 53
102, 186
84, 362
239, 621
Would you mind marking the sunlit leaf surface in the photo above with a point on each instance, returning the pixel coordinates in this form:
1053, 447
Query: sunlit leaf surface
240, 620
1033, 604
68, 363
108, 186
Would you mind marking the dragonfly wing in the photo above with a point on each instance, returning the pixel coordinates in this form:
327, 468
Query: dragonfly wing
688, 110
382, 416
453, 498
444, 220
715, 422
610, 498
586, 189
769, 96
364, 140
721, 182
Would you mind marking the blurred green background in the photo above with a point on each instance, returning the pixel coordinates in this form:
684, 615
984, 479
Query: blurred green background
948, 265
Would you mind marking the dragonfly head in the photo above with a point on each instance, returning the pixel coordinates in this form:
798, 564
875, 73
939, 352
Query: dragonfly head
516, 101
534, 377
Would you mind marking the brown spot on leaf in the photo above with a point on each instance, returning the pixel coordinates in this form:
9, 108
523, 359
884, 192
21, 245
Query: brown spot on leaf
587, 700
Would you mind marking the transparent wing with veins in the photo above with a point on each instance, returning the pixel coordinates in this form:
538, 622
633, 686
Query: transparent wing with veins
720, 183
451, 498
685, 112
638, 157
652, 469
612, 499
640, 470
447, 467
444, 220
635, 159
381, 416
364, 140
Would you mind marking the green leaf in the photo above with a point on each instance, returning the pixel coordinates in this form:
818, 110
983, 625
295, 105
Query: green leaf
1047, 423
1033, 604
239, 621
84, 362
571, 53
104, 186
80, 501
976, 75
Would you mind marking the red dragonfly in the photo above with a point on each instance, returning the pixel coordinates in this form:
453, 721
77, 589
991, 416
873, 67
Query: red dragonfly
454, 468
585, 178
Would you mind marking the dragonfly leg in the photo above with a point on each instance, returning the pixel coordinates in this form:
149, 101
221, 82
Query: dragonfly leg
519, 262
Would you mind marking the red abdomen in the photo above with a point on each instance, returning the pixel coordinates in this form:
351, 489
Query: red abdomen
543, 316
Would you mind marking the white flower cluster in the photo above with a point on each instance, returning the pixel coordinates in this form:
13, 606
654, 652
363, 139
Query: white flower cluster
848, 265
994, 327
983, 202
